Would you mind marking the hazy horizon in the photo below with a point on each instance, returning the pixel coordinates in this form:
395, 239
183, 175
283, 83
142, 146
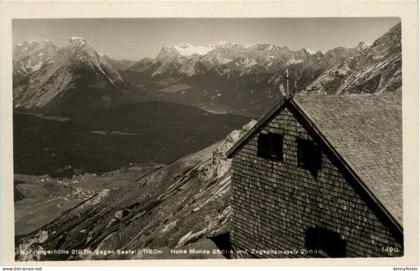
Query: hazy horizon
134, 39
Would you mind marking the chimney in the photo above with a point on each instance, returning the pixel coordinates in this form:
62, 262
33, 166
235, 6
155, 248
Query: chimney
286, 93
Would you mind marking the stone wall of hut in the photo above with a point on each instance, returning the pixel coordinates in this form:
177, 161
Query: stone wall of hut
275, 202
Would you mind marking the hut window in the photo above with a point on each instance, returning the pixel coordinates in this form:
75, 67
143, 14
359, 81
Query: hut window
270, 146
326, 240
309, 155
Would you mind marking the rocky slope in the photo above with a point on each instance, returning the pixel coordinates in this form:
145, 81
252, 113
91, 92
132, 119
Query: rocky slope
181, 205
31, 56
119, 64
376, 68
76, 78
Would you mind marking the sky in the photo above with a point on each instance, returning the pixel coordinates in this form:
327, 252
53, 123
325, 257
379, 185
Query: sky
138, 38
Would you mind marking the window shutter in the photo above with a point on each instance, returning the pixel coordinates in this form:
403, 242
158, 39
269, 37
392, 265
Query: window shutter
270, 146
309, 156
264, 146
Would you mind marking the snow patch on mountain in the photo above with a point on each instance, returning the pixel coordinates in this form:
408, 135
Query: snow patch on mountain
187, 49
362, 46
294, 61
77, 39
309, 51
247, 63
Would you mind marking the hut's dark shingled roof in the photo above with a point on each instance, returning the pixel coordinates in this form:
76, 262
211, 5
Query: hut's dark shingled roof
366, 130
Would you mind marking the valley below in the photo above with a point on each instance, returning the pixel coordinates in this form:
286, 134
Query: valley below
103, 140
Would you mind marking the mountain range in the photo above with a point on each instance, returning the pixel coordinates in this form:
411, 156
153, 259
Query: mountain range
224, 77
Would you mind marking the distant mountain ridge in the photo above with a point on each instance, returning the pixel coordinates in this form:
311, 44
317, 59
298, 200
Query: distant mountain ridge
223, 77
251, 79
119, 64
225, 58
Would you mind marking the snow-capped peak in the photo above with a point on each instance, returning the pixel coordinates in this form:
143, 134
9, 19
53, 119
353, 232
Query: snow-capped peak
77, 39
362, 45
309, 51
225, 43
186, 49
185, 45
